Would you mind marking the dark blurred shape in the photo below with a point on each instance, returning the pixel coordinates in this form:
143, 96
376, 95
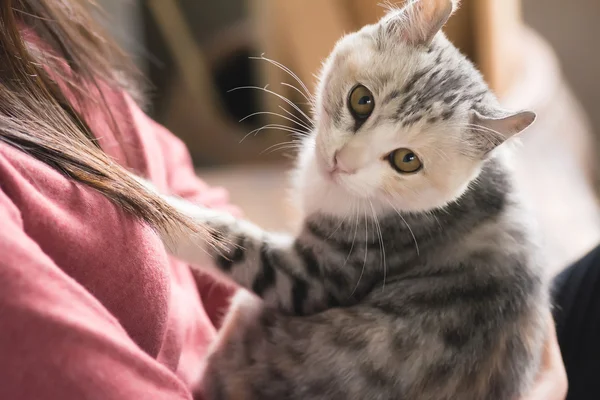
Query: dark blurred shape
199, 51
235, 71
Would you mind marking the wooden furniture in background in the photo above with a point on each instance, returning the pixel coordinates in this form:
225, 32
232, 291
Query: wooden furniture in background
498, 33
195, 111
301, 33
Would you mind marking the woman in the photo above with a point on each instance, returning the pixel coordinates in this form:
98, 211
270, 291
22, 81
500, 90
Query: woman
91, 306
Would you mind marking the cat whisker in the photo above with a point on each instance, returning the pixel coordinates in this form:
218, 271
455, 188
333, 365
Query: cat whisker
296, 118
354, 236
342, 220
292, 133
277, 115
277, 127
381, 244
362, 272
469, 125
296, 141
485, 129
285, 69
494, 141
290, 144
281, 147
279, 96
433, 215
285, 150
310, 100
407, 226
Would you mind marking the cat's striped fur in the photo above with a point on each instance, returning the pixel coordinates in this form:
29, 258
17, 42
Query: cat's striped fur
461, 309
439, 297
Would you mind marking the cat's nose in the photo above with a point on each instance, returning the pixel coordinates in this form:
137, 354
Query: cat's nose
342, 166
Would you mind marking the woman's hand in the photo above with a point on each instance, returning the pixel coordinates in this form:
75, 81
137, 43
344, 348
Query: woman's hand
551, 383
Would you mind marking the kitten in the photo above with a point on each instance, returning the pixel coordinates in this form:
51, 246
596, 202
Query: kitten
414, 275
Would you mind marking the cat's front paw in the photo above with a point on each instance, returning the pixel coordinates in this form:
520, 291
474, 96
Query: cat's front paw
199, 249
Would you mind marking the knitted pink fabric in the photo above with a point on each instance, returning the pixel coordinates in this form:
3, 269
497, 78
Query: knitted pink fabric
91, 305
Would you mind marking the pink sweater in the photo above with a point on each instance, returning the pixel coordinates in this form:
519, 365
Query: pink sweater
91, 305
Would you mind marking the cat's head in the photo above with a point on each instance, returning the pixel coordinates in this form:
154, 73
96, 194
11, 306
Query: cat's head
402, 119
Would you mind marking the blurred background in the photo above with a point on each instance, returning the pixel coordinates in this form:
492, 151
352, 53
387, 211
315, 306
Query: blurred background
539, 54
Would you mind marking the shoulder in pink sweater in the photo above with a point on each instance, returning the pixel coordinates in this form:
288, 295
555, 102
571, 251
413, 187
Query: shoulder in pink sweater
91, 306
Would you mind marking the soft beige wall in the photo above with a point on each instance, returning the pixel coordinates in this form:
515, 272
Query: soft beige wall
573, 29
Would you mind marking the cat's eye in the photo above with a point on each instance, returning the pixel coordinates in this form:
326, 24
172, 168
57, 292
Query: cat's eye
361, 102
405, 161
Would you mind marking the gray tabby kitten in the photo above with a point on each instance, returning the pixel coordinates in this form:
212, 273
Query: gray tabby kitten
414, 275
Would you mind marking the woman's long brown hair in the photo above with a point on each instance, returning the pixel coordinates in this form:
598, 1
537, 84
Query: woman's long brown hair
34, 113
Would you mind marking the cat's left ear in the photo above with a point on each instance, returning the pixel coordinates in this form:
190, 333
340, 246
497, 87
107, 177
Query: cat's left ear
420, 20
495, 130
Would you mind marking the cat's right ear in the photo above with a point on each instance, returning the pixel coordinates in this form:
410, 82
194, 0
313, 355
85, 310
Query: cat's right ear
420, 20
498, 126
